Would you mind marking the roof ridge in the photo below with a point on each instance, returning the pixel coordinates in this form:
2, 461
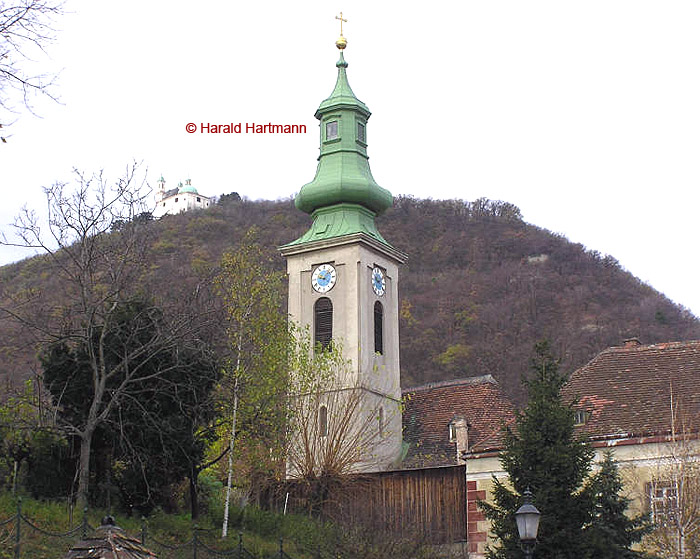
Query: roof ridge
634, 349
658, 345
483, 379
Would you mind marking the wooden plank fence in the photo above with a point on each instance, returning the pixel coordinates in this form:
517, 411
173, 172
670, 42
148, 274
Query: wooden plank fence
428, 502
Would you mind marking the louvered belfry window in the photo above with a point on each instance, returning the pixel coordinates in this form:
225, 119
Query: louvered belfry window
323, 323
378, 328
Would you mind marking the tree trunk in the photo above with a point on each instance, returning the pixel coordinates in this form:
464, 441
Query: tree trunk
232, 441
194, 497
84, 478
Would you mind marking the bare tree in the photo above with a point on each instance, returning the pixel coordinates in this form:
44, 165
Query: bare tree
674, 493
25, 30
335, 426
95, 241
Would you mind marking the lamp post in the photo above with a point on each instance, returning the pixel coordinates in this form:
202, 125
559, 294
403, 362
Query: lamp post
527, 517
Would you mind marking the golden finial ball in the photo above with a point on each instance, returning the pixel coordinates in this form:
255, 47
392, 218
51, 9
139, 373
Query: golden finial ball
341, 43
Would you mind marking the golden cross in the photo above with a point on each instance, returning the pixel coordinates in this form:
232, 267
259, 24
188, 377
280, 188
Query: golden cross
340, 17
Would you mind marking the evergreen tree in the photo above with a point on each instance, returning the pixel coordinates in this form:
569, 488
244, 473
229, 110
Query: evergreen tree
610, 533
543, 454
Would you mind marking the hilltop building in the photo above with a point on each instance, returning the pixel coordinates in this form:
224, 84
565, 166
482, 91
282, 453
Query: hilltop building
177, 200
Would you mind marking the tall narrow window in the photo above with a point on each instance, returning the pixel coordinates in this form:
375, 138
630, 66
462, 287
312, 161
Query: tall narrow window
331, 130
378, 328
361, 132
323, 421
323, 323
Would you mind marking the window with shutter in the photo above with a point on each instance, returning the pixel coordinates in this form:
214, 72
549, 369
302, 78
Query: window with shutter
378, 328
323, 323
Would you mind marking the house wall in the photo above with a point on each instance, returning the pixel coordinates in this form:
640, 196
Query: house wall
479, 475
644, 460
640, 460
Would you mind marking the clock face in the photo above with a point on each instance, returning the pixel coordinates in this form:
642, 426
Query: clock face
323, 278
378, 281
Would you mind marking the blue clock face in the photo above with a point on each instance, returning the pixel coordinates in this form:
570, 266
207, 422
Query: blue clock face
378, 281
323, 278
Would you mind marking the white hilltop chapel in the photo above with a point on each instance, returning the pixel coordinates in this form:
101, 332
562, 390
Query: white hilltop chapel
177, 200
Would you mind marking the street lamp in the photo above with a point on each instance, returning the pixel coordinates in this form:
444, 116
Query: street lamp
527, 518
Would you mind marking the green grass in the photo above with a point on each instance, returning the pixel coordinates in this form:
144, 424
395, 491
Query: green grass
261, 530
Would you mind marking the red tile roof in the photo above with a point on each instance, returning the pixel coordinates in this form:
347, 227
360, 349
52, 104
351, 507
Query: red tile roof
628, 391
429, 409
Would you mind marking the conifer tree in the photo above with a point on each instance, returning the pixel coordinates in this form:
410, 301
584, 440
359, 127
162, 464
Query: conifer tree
542, 453
610, 533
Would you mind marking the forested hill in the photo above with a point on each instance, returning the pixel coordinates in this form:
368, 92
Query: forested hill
479, 289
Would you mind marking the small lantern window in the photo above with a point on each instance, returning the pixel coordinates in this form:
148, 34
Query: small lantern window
331, 130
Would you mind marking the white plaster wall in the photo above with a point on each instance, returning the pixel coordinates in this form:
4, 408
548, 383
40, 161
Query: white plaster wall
185, 201
353, 325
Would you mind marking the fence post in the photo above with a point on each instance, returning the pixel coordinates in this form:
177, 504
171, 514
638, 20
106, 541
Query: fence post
17, 526
143, 530
281, 548
240, 545
194, 543
85, 523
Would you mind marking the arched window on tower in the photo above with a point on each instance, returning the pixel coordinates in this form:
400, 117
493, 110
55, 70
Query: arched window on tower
378, 328
323, 323
323, 421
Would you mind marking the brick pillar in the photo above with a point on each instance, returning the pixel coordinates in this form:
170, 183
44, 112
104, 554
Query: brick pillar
477, 525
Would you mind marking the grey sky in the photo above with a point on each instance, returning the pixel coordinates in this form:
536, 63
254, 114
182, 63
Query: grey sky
584, 114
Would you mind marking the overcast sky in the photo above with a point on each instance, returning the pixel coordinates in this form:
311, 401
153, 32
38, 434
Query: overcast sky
585, 114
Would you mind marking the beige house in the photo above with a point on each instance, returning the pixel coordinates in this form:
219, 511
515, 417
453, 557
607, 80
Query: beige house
640, 401
643, 403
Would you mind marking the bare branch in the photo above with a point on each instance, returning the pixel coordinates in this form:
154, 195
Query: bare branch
26, 28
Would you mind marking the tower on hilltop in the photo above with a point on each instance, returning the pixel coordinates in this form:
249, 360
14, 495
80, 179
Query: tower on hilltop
343, 275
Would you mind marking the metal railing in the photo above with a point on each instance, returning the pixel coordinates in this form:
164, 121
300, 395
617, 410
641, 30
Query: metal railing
13, 528
17, 528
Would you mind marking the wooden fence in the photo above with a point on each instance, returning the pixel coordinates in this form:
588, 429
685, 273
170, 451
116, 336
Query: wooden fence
429, 503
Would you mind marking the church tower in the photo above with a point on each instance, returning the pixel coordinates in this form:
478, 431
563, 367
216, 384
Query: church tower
343, 275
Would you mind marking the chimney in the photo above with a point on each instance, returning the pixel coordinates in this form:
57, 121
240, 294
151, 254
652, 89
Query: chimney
631, 342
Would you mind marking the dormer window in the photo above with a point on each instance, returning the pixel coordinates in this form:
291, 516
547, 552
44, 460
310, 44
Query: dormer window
580, 417
331, 130
361, 137
452, 432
